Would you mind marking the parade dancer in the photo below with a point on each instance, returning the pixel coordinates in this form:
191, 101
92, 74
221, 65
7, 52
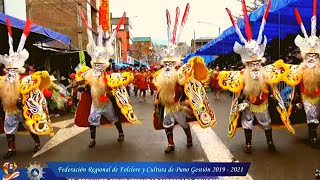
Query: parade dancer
253, 86
105, 96
21, 96
180, 97
307, 77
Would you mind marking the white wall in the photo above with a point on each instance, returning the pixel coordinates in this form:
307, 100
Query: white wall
16, 8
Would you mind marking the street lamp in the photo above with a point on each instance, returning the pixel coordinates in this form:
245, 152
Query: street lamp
200, 22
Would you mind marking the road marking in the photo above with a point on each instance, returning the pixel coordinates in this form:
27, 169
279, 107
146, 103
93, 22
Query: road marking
63, 124
61, 136
214, 148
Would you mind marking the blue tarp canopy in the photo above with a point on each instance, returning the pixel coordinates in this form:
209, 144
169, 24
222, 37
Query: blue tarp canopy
121, 65
48, 37
207, 58
136, 62
281, 22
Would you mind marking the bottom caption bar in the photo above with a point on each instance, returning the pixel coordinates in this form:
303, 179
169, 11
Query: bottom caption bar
211, 178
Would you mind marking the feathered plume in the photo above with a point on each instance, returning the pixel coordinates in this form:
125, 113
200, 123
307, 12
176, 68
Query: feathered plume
264, 20
174, 32
91, 40
168, 25
314, 19
298, 17
10, 40
114, 33
242, 39
25, 34
183, 21
246, 20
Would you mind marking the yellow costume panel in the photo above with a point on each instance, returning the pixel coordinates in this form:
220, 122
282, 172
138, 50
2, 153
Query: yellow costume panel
35, 109
191, 75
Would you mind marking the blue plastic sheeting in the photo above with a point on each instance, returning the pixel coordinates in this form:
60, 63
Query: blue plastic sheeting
142, 63
17, 23
280, 23
207, 58
120, 65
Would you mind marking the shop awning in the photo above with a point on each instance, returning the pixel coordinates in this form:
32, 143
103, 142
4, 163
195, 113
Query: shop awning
280, 23
38, 36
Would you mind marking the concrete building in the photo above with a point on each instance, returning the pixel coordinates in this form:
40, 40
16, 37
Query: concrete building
198, 43
64, 16
141, 48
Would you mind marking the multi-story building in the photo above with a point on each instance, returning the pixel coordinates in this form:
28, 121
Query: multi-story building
64, 16
124, 36
198, 43
141, 48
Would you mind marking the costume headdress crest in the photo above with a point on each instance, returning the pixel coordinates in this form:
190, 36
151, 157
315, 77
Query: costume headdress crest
308, 44
16, 60
173, 52
252, 50
101, 53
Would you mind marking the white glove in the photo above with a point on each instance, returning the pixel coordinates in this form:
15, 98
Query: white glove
243, 106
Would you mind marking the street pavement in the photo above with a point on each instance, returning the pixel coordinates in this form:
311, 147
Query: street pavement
294, 160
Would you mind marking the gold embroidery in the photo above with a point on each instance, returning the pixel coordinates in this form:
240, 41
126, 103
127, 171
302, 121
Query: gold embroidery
259, 108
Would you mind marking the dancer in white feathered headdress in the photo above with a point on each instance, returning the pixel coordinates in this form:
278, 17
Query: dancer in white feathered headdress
253, 85
106, 96
179, 102
22, 97
307, 76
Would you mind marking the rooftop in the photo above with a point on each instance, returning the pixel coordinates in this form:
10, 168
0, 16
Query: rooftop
141, 39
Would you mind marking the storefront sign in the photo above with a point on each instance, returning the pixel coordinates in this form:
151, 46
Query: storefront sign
105, 15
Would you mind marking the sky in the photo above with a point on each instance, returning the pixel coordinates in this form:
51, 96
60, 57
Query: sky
148, 17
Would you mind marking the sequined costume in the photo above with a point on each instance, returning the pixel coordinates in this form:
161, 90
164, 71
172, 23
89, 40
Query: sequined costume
22, 97
180, 96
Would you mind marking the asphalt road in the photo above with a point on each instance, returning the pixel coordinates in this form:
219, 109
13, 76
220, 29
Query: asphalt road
294, 160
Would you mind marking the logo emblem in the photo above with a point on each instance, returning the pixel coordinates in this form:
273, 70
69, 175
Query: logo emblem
10, 171
35, 171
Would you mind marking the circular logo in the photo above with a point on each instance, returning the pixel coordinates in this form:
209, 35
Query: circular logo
35, 172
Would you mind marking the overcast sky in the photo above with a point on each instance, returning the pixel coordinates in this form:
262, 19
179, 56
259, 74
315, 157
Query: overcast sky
148, 17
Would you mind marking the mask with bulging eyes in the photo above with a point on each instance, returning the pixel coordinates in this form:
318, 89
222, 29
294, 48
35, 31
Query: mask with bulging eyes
311, 60
11, 75
255, 67
168, 67
97, 70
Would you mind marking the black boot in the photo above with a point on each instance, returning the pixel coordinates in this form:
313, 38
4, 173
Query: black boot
248, 136
11, 146
170, 147
36, 139
187, 131
120, 130
93, 136
271, 146
313, 135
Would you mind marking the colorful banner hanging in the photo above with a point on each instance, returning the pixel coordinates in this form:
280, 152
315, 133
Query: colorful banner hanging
105, 15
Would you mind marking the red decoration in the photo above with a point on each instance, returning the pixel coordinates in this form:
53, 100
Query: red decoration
103, 98
47, 93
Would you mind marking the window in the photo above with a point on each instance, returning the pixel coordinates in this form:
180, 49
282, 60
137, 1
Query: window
2, 6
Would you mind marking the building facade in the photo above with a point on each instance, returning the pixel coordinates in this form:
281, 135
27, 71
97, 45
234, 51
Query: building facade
141, 49
64, 16
198, 43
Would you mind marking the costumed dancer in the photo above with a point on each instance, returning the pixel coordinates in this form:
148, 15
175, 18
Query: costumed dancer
105, 96
254, 87
22, 97
306, 77
180, 97
214, 83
